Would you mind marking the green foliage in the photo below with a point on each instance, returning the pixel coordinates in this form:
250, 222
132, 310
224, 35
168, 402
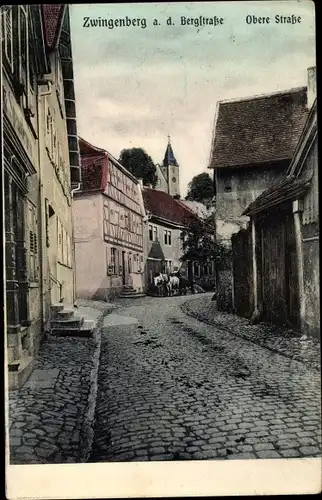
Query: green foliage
140, 164
199, 243
200, 188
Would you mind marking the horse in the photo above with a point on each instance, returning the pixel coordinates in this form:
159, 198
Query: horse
161, 281
174, 283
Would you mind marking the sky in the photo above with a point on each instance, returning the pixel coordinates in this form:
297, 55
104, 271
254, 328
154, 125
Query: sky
135, 86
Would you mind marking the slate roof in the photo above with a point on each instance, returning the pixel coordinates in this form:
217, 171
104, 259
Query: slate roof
169, 158
164, 206
53, 15
258, 130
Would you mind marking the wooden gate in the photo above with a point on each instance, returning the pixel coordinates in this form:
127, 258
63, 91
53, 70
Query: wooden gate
279, 276
243, 272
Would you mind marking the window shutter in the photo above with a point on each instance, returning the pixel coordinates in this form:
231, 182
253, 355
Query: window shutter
31, 241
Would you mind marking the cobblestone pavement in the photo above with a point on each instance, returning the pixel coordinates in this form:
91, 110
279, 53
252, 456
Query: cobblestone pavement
50, 416
173, 388
282, 340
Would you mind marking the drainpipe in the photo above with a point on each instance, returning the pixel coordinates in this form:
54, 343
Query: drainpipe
78, 188
297, 209
40, 95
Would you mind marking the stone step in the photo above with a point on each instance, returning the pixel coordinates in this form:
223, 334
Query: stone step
19, 371
65, 314
70, 323
55, 308
131, 295
86, 330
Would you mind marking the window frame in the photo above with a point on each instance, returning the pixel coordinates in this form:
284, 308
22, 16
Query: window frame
8, 14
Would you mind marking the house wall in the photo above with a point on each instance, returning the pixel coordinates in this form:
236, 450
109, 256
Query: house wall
20, 144
235, 190
35, 179
123, 230
310, 248
157, 250
246, 185
89, 246
56, 202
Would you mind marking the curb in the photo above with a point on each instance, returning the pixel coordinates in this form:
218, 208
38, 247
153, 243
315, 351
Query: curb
224, 328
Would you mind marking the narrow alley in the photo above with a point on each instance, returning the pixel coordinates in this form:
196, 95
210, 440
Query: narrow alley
173, 388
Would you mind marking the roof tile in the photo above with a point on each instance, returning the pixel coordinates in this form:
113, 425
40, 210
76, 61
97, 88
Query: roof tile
259, 129
162, 205
52, 16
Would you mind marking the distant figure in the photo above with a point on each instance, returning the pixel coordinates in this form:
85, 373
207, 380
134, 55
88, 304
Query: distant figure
182, 284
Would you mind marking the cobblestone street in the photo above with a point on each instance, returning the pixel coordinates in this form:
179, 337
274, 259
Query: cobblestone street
51, 416
171, 387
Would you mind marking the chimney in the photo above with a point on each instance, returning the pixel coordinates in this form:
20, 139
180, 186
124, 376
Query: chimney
311, 86
141, 182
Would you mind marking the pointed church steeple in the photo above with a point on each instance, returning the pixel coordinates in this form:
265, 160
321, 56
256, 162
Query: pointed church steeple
170, 170
169, 158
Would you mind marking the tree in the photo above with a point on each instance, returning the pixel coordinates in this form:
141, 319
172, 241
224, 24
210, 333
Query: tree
140, 164
200, 188
199, 243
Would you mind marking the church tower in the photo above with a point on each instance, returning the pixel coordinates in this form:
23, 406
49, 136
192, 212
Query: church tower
170, 170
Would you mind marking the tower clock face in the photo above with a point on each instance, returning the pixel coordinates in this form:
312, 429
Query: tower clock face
174, 179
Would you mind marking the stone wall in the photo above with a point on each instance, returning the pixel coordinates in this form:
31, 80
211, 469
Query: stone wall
311, 274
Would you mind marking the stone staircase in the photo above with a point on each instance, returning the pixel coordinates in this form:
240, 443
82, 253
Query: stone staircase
66, 323
128, 292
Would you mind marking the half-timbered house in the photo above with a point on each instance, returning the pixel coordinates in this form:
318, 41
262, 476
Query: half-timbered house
108, 215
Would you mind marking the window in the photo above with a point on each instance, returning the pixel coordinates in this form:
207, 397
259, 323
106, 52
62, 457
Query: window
113, 261
168, 264
23, 50
150, 233
7, 31
126, 221
155, 233
33, 244
196, 269
167, 237
32, 65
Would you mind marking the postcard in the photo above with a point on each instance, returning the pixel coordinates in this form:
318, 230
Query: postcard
161, 239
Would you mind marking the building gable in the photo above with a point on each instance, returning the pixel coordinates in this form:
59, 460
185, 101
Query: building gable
258, 130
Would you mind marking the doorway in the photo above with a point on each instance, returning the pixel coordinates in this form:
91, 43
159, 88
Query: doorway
123, 268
